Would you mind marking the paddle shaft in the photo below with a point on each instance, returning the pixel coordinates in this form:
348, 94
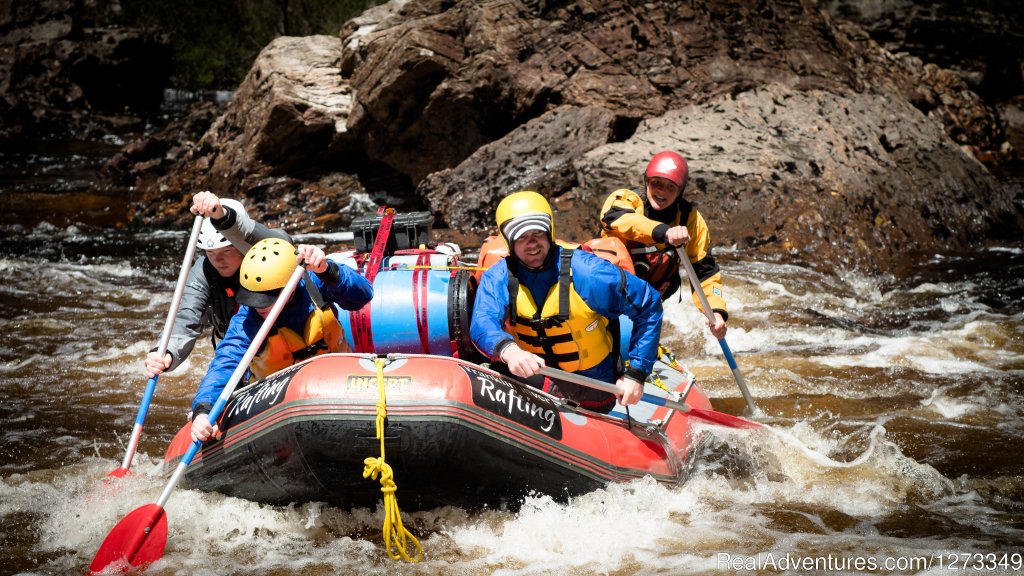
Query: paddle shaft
712, 416
236, 376
691, 275
139, 538
610, 388
165, 339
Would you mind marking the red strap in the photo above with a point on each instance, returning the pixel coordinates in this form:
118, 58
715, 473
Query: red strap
419, 299
377, 253
362, 332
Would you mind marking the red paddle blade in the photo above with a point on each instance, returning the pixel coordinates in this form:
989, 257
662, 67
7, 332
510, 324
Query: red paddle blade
137, 540
723, 419
119, 472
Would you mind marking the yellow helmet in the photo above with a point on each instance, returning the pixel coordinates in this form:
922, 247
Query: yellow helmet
521, 212
266, 268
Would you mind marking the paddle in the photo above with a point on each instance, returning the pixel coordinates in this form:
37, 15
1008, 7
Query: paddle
147, 396
712, 416
740, 381
140, 537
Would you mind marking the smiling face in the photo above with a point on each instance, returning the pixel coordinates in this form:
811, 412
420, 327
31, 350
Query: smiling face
661, 192
226, 260
532, 248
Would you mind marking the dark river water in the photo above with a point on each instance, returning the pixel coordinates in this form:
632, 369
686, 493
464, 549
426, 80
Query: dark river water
896, 412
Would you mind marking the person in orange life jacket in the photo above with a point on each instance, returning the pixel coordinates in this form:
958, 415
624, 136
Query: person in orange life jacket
303, 328
208, 299
655, 223
544, 305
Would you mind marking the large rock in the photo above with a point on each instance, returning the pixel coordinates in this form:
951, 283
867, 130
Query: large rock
494, 65
60, 72
288, 115
815, 177
982, 41
537, 155
807, 139
290, 110
979, 46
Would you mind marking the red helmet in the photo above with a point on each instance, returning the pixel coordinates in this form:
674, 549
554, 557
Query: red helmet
669, 165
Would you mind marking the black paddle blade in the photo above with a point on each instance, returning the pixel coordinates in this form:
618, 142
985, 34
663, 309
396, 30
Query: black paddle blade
137, 540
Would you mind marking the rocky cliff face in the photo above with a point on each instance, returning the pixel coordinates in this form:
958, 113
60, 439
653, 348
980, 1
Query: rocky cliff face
61, 72
982, 41
806, 140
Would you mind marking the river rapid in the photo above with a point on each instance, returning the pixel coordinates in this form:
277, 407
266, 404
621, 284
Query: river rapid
896, 413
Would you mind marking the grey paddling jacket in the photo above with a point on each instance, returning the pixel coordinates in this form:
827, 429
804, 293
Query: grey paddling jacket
208, 297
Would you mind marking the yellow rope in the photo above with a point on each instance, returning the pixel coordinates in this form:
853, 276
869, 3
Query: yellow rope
666, 355
395, 534
664, 352
657, 381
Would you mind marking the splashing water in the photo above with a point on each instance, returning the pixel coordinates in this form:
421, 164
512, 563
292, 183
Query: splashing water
891, 408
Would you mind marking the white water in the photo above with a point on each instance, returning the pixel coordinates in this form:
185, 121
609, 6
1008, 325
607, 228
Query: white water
870, 391
640, 525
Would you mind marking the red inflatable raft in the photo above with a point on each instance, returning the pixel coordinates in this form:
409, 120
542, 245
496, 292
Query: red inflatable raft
456, 433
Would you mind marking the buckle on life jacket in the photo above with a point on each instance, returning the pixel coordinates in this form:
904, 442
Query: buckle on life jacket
644, 249
540, 324
310, 351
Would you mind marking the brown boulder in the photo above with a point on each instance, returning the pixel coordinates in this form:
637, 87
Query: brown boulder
61, 73
287, 116
807, 139
537, 155
811, 176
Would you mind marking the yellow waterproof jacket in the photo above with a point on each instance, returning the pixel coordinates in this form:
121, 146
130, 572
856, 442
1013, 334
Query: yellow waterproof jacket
627, 216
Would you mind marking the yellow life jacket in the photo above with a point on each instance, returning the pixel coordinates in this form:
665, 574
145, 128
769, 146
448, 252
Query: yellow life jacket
564, 331
284, 347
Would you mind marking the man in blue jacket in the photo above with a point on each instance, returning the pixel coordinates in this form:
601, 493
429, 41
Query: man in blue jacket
545, 305
305, 327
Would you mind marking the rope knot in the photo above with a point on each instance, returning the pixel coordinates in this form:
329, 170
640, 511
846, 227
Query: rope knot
395, 534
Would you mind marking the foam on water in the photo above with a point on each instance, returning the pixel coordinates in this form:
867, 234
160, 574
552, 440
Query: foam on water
727, 504
941, 346
795, 467
938, 354
948, 407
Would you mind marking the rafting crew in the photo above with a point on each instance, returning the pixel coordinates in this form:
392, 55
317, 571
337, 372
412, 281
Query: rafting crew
546, 305
208, 298
307, 325
655, 223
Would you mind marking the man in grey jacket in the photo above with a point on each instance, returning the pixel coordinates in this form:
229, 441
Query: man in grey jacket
226, 235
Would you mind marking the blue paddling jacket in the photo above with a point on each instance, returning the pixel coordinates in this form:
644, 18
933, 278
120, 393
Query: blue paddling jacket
604, 287
344, 287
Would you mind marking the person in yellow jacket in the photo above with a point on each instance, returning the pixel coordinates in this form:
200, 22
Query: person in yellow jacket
655, 223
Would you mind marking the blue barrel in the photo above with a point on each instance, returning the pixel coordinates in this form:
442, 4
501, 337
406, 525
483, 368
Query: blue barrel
422, 310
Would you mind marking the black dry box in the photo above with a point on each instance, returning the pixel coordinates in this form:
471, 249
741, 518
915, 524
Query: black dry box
407, 231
